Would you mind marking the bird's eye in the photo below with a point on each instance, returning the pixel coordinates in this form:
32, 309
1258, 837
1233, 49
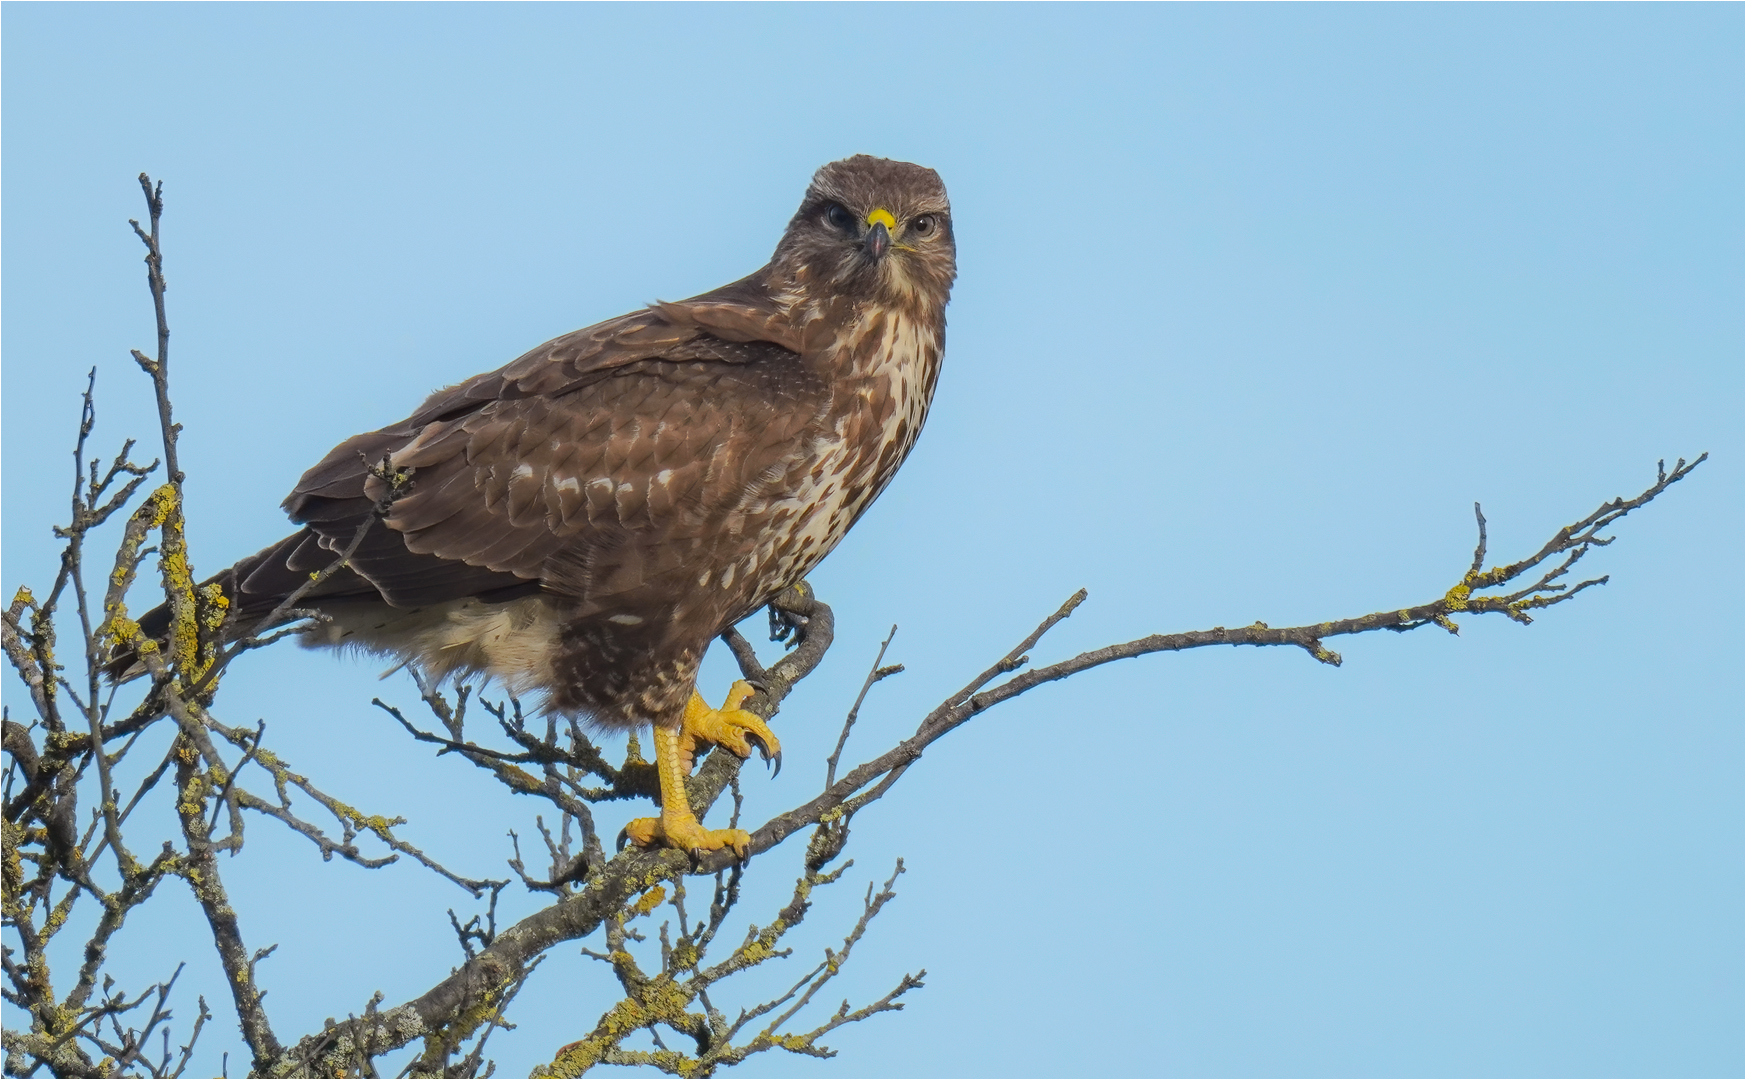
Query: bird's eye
840, 218
924, 225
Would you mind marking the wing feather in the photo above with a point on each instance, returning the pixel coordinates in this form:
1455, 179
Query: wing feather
541, 472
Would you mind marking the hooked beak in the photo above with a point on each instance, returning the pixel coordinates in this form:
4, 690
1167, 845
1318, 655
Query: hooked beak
878, 241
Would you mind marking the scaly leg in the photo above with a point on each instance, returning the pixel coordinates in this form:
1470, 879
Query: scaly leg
730, 727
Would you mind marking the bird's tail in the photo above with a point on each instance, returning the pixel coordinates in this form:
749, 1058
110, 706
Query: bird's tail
229, 606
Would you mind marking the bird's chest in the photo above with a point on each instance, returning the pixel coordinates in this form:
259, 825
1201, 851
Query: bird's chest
885, 370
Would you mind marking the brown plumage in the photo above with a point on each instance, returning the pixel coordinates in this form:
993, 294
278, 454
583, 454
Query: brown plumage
582, 522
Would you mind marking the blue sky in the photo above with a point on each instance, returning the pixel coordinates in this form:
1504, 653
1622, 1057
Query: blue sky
1254, 302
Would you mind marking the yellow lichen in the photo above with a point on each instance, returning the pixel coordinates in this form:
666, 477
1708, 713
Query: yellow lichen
662, 1001
193, 801
160, 503
11, 862
756, 952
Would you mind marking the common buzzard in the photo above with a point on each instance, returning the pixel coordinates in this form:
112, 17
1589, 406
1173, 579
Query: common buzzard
582, 522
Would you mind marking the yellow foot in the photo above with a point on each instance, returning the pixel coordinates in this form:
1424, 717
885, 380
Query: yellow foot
676, 749
729, 726
686, 833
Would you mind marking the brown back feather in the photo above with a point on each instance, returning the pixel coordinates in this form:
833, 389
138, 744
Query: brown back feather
538, 471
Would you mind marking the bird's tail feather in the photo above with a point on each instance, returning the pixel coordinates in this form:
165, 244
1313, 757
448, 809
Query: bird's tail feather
253, 590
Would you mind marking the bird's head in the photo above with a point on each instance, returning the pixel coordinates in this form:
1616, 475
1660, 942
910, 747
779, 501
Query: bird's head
872, 229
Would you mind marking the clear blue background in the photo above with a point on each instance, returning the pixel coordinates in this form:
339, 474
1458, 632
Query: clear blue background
1254, 303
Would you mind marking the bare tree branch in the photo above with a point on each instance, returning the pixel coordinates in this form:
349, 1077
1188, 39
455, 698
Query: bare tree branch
874, 675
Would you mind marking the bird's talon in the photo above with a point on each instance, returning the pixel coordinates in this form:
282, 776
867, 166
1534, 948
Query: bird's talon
643, 832
683, 831
784, 622
736, 729
737, 695
730, 726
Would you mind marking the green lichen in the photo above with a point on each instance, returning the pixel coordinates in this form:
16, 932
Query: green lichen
11, 862
374, 823
193, 796
760, 948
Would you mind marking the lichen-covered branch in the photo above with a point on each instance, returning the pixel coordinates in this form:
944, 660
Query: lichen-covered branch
668, 998
48, 866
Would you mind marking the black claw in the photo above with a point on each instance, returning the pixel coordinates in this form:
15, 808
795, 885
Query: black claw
758, 741
764, 751
623, 836
757, 684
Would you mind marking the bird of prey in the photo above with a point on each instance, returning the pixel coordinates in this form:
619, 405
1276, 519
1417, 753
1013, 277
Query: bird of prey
583, 521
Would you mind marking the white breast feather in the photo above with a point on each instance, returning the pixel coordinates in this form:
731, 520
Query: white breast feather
901, 356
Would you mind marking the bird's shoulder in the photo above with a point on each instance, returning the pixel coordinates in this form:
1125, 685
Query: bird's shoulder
739, 323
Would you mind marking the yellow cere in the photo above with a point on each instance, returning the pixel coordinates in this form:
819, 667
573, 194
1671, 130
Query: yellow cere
882, 215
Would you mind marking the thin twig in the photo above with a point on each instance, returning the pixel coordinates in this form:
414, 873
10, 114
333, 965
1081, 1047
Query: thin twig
875, 674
